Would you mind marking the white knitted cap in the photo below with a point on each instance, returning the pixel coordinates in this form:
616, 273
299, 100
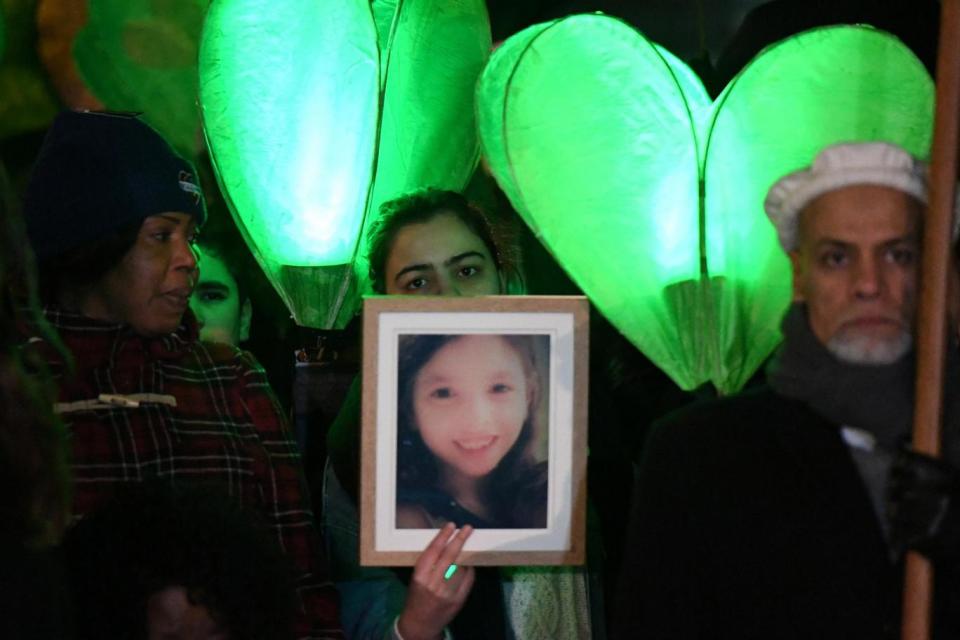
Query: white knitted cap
837, 166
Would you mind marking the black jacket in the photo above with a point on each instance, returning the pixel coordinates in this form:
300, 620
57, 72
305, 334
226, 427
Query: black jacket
750, 520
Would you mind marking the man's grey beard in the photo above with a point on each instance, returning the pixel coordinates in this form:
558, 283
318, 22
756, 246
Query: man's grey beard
860, 349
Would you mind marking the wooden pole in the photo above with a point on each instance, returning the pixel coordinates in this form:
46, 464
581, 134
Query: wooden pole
932, 321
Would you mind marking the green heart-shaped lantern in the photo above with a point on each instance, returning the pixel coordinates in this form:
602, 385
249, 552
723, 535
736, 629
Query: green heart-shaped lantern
651, 198
316, 112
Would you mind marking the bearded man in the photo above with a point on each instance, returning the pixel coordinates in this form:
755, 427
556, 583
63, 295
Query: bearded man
785, 511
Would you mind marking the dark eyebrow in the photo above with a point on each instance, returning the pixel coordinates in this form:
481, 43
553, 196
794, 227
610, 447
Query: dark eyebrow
429, 267
909, 239
412, 267
166, 217
462, 256
434, 378
833, 244
213, 284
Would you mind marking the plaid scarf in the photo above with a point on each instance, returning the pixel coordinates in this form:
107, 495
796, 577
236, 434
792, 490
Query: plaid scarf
176, 408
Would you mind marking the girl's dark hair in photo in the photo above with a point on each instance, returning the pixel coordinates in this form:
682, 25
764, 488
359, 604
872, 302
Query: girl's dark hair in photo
516, 490
417, 208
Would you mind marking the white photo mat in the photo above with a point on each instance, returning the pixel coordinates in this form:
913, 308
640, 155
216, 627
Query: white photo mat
564, 321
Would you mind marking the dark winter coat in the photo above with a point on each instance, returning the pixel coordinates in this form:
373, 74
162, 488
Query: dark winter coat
750, 520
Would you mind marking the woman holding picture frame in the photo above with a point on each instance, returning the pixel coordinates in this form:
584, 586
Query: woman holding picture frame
435, 242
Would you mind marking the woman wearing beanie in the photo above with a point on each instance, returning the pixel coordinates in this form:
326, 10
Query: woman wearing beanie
111, 212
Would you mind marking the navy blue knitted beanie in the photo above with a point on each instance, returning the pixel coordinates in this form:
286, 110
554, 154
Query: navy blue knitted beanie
97, 173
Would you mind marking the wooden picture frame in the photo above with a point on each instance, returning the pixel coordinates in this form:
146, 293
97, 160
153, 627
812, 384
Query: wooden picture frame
543, 341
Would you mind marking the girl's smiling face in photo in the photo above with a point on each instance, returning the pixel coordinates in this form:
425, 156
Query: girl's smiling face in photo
470, 401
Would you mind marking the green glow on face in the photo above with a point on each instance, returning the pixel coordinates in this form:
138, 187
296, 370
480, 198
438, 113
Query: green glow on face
141, 55
291, 93
599, 138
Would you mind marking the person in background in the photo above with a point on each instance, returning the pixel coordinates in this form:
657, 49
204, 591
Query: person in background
177, 562
111, 213
219, 302
234, 302
33, 456
784, 511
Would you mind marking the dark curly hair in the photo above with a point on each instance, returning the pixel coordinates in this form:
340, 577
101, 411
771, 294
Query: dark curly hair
416, 208
156, 535
517, 480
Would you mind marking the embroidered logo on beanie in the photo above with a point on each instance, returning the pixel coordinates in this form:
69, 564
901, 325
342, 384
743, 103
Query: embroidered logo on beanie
188, 184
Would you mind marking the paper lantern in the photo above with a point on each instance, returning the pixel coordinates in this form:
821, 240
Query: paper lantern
316, 112
651, 198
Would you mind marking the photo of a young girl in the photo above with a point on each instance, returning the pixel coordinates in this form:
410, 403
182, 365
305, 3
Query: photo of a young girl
471, 446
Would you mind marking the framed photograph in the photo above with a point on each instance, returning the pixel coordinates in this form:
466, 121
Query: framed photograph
474, 412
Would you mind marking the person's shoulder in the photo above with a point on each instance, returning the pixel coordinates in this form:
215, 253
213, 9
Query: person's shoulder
761, 401
712, 439
224, 362
223, 354
759, 410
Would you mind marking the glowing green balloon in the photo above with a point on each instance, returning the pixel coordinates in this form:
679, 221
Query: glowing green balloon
315, 112
141, 55
289, 96
599, 139
589, 134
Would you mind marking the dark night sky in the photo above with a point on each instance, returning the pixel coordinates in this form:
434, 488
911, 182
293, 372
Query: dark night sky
675, 24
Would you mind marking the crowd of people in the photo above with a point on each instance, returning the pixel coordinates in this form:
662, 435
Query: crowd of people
156, 490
